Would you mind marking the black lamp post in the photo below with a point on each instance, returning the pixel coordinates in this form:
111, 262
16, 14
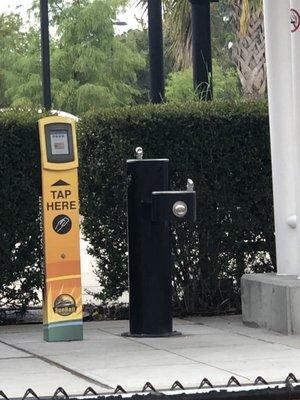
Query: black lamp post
156, 52
46, 80
201, 48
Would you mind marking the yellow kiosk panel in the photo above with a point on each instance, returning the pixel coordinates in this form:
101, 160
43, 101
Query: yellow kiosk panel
62, 289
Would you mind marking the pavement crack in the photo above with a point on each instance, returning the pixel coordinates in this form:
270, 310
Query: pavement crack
176, 354
236, 332
131, 339
207, 364
58, 365
16, 358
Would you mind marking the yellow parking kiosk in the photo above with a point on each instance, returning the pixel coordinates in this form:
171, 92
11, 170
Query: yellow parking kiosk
62, 288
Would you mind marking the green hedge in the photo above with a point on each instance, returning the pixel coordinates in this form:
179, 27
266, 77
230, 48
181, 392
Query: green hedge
224, 148
20, 254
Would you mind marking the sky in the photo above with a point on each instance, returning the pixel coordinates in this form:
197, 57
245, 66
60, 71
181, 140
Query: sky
12, 5
129, 16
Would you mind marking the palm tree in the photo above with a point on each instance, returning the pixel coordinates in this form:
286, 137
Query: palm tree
248, 49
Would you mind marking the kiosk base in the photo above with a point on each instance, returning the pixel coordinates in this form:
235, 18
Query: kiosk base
63, 332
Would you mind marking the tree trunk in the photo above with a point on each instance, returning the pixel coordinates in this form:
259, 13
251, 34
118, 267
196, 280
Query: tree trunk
249, 52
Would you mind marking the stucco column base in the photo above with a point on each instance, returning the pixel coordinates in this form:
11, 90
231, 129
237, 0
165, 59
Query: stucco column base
271, 301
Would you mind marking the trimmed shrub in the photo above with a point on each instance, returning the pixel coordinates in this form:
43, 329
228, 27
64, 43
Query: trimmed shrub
225, 149
20, 238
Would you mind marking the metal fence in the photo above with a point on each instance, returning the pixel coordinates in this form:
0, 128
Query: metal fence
260, 389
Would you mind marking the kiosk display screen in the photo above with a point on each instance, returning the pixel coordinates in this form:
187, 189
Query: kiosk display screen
59, 142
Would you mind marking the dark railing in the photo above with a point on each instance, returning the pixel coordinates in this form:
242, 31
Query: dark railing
260, 389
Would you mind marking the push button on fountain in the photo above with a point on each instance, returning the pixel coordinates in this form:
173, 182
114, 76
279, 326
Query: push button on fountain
180, 209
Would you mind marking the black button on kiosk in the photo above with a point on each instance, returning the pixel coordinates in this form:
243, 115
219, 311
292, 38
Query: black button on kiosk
151, 208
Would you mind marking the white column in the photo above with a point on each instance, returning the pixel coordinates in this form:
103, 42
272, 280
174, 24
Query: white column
295, 39
279, 72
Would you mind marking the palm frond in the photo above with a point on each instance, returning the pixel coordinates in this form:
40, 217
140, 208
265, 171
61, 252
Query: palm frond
178, 30
177, 19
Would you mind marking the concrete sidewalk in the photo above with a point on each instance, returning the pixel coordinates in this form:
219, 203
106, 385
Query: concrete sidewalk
216, 348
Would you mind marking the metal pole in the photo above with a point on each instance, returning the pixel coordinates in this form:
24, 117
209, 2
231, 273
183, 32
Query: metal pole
295, 41
46, 81
201, 48
156, 52
277, 16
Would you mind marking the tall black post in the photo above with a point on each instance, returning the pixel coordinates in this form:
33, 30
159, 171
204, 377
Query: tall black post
150, 287
156, 52
201, 48
46, 81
